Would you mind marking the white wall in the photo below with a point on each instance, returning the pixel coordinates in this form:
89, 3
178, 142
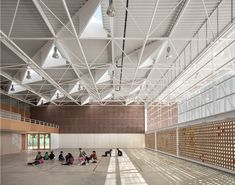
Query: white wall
10, 142
102, 140
55, 141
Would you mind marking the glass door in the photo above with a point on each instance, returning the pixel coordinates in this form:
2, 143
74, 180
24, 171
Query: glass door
47, 141
30, 141
41, 141
38, 141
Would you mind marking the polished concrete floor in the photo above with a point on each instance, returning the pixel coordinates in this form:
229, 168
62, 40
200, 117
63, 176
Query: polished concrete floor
136, 167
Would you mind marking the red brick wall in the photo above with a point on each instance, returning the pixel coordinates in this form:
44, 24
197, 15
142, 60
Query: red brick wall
93, 119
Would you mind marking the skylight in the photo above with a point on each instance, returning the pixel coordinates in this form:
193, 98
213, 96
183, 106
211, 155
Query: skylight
95, 27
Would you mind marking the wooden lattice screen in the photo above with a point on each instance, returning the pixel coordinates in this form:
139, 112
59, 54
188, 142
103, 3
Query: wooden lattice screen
212, 143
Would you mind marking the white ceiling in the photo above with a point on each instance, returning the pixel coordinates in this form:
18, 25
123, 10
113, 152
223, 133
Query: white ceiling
101, 59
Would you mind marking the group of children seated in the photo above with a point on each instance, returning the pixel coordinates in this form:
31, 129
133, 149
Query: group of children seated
69, 159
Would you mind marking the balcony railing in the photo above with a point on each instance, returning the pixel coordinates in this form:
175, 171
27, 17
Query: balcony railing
16, 116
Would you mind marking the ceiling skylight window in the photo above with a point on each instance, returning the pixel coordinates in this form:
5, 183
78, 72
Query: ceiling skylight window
95, 27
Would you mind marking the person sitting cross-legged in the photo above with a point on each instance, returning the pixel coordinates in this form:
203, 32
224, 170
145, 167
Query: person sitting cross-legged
52, 155
119, 152
93, 157
69, 159
46, 156
83, 159
61, 157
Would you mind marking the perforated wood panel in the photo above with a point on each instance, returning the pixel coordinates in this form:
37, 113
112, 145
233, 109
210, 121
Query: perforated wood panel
166, 141
93, 119
150, 140
212, 143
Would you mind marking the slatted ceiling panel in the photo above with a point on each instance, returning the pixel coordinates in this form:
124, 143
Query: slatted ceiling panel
131, 45
75, 5
141, 12
7, 13
30, 47
8, 58
58, 9
92, 50
105, 18
224, 14
195, 13
56, 24
165, 17
28, 22
119, 19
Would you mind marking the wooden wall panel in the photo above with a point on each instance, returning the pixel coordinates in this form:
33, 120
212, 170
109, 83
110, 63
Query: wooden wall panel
10, 108
166, 141
93, 119
211, 143
21, 126
150, 140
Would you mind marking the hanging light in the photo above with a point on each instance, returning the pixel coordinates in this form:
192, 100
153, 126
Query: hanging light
57, 95
168, 55
12, 88
79, 87
28, 75
196, 75
111, 11
55, 54
112, 75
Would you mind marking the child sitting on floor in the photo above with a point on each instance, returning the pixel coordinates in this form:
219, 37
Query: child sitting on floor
38, 160
52, 155
93, 157
69, 159
83, 159
46, 156
61, 157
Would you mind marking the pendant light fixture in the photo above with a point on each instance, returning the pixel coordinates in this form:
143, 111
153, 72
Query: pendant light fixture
55, 54
28, 76
111, 11
12, 88
168, 55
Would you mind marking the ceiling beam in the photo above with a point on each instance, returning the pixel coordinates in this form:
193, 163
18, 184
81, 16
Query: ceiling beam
27, 87
83, 14
80, 46
20, 53
143, 46
13, 20
172, 30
